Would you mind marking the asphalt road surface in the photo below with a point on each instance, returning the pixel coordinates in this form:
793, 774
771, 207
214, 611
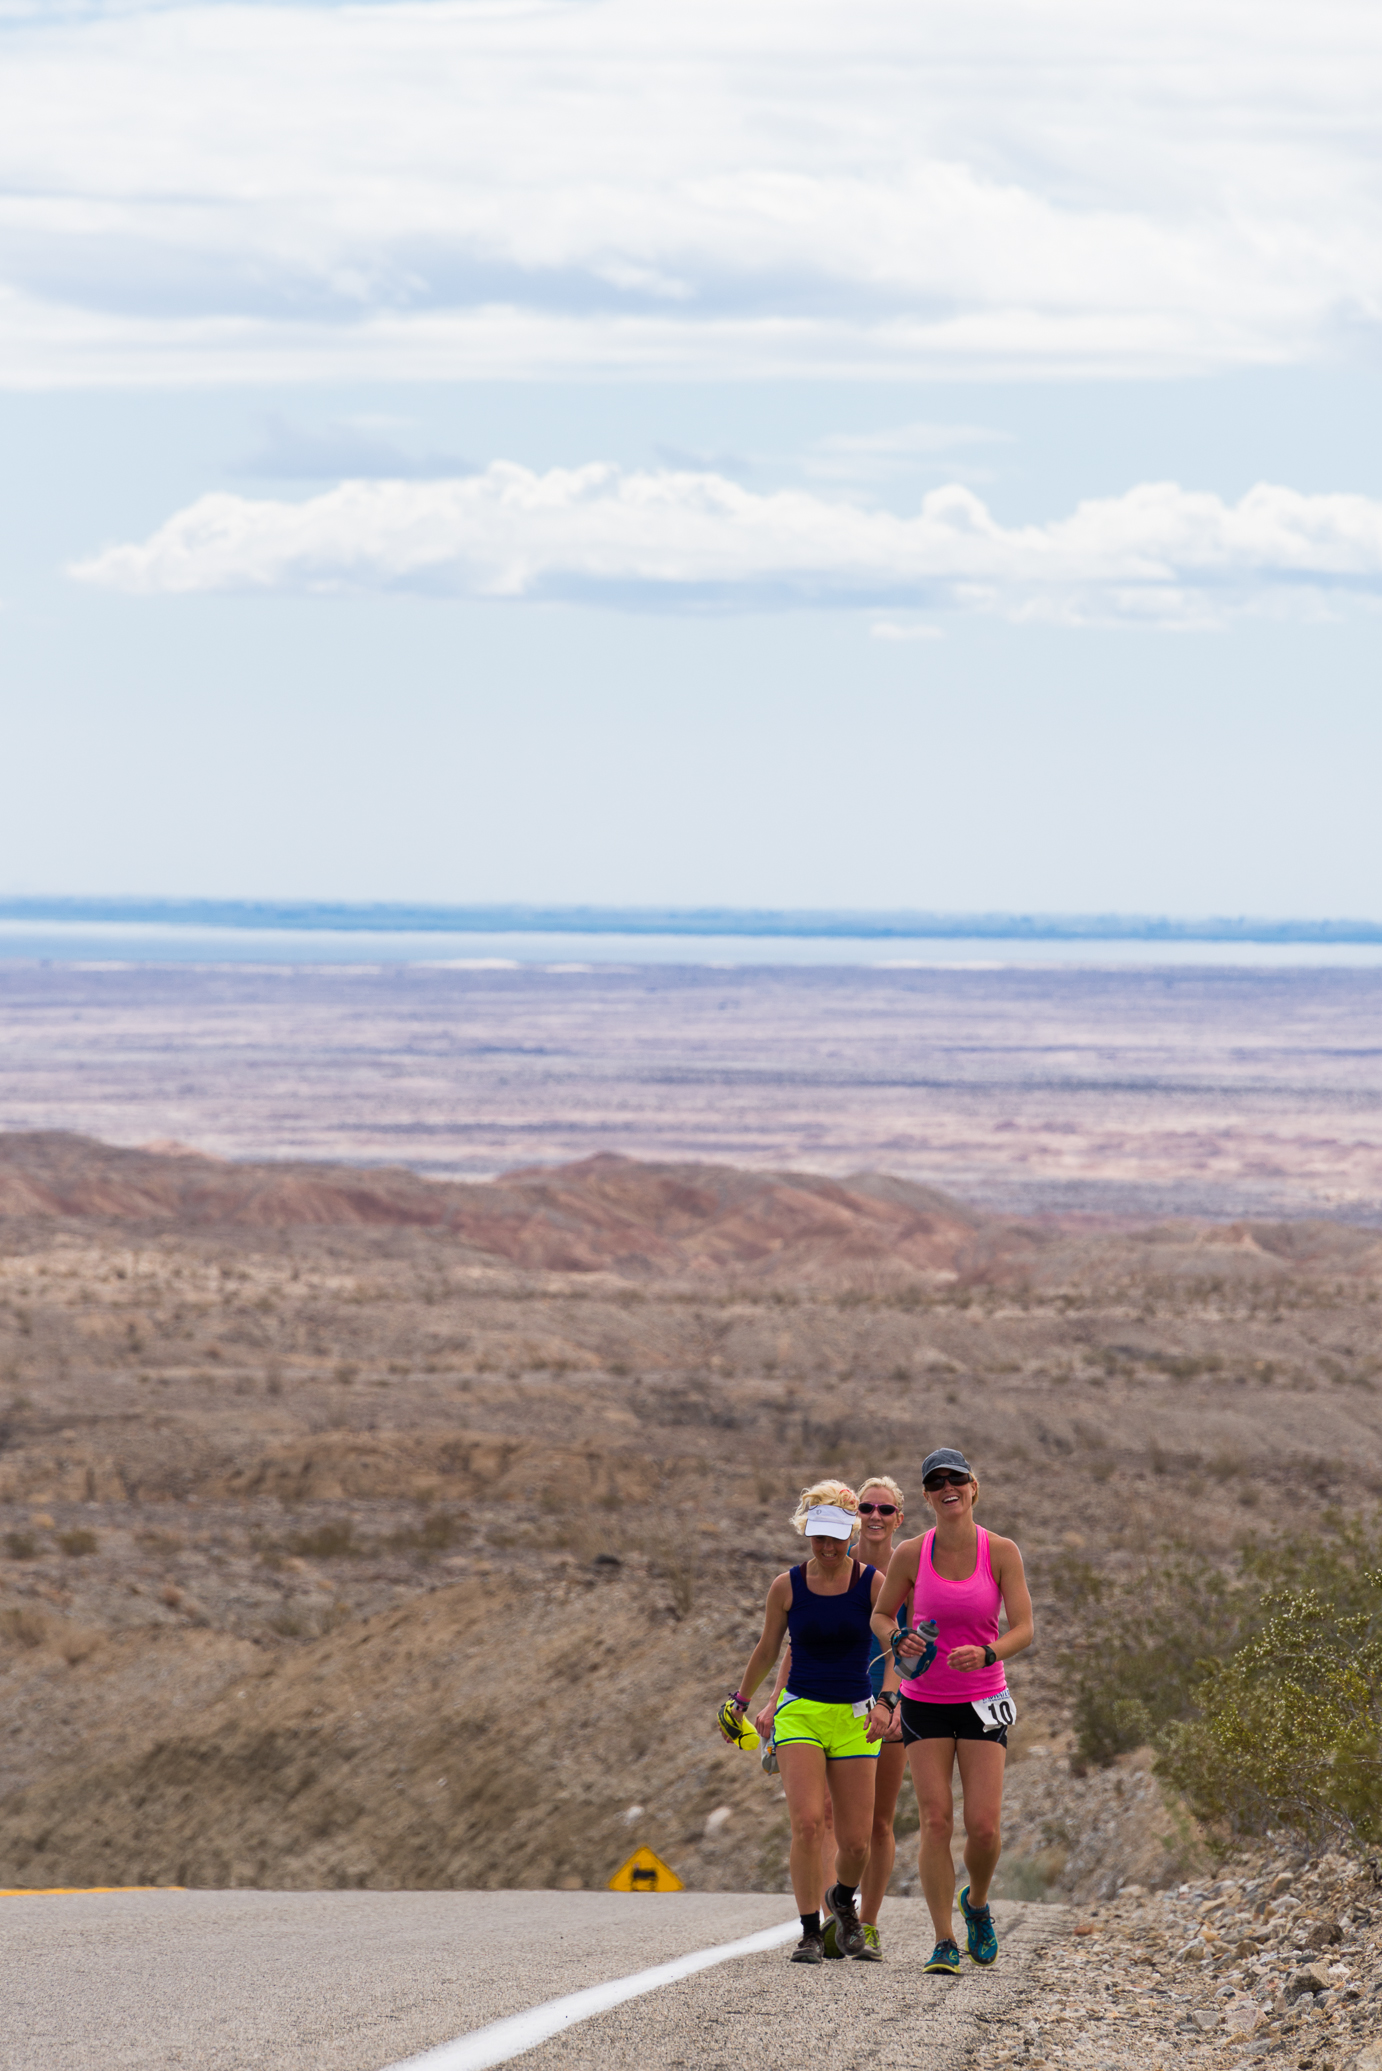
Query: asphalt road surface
358, 1980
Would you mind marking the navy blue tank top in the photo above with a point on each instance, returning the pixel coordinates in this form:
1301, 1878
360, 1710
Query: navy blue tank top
831, 1641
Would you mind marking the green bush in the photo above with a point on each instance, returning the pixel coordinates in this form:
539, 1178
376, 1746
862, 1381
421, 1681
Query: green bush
1287, 1732
1260, 1689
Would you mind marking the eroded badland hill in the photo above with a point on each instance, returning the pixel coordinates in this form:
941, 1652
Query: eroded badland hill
356, 1529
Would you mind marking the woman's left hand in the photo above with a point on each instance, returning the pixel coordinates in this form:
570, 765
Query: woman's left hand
965, 1659
877, 1732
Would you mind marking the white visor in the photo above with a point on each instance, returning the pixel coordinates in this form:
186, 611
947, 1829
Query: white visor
827, 1521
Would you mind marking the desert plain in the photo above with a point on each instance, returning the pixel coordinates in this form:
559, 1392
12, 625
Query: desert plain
365, 1524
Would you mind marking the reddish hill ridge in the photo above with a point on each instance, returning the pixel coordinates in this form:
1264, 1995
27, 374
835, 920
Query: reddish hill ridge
604, 1213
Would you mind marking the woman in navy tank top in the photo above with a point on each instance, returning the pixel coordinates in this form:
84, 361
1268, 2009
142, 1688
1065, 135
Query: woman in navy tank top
880, 1519
956, 1705
828, 1724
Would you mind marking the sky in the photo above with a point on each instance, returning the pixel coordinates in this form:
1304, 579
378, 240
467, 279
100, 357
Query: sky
888, 455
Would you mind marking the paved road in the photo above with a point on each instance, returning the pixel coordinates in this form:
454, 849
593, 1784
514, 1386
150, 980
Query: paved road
354, 1981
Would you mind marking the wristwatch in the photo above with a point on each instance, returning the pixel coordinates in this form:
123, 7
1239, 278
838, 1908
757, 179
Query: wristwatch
989, 1657
888, 1697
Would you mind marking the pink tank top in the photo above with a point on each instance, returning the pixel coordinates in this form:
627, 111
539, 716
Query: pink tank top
967, 1614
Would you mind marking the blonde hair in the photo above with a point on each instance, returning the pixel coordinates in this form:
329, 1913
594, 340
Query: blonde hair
837, 1492
883, 1481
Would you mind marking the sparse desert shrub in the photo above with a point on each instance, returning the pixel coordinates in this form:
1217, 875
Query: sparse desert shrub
1026, 1877
330, 1541
436, 1532
77, 1544
24, 1628
21, 1545
677, 1568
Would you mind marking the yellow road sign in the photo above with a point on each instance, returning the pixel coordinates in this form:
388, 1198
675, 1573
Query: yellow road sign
645, 1871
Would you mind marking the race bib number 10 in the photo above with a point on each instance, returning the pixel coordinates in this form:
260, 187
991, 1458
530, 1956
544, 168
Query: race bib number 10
994, 1713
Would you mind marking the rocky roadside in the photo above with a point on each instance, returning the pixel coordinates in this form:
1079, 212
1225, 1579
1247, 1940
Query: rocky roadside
1277, 1960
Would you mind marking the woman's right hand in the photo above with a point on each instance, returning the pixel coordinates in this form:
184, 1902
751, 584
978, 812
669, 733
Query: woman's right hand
763, 1724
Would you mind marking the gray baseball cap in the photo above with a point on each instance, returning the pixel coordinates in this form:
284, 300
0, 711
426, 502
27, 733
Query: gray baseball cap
945, 1457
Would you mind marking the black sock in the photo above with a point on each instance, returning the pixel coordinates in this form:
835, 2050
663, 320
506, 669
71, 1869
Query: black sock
810, 1924
849, 1891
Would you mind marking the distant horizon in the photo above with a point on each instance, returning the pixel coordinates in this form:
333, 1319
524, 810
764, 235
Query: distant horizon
426, 917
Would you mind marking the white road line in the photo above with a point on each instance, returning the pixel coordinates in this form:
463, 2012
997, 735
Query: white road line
501, 2040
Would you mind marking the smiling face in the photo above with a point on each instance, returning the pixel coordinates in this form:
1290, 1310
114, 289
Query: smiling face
952, 1505
829, 1554
876, 1532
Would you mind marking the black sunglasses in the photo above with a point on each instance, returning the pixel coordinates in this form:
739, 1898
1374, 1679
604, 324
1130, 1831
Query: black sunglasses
883, 1509
946, 1480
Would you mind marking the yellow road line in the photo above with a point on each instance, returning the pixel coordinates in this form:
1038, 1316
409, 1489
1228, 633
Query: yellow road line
82, 1890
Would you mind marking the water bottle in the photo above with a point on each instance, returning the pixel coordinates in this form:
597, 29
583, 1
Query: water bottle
740, 1731
909, 1665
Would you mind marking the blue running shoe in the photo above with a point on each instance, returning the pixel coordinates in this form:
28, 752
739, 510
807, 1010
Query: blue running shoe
945, 1957
980, 1932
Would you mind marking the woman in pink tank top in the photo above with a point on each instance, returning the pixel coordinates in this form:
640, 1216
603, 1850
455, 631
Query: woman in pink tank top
956, 1706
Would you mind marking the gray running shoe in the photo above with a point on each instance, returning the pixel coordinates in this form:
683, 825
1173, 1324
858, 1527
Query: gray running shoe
849, 1935
810, 1949
872, 1951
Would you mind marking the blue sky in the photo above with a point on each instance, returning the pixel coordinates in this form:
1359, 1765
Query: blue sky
812, 455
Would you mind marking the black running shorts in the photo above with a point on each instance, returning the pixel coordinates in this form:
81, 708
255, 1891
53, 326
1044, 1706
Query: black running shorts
922, 1721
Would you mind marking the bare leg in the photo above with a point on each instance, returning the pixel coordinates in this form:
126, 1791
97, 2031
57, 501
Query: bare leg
933, 1763
802, 1769
828, 1841
982, 1763
892, 1767
851, 1787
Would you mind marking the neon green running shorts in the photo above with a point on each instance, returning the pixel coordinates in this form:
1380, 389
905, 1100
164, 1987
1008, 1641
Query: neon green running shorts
840, 1731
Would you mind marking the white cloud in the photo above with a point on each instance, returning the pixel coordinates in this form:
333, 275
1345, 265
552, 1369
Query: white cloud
451, 188
1158, 554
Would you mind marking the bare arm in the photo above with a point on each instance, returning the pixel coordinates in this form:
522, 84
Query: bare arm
763, 1724
882, 1725
894, 1590
774, 1626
